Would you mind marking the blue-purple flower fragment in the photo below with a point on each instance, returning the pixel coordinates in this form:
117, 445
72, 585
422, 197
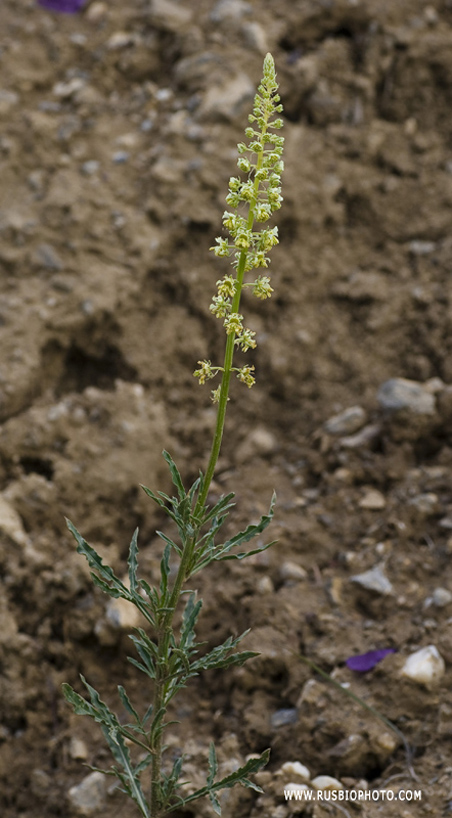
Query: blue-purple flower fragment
65, 6
366, 661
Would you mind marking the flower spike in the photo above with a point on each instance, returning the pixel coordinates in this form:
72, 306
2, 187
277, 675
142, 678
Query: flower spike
251, 200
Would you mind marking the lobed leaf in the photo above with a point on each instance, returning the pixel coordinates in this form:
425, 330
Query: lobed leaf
189, 619
175, 475
107, 580
127, 704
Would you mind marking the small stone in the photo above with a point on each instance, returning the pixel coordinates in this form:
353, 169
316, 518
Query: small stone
40, 783
96, 12
362, 438
256, 37
173, 16
310, 694
441, 597
88, 796
386, 743
346, 422
431, 15
349, 750
120, 157
78, 749
163, 94
292, 571
400, 393
326, 782
90, 167
120, 39
122, 614
296, 787
286, 715
229, 10
8, 99
46, 256
228, 100
445, 720
422, 248
426, 504
373, 500
374, 580
265, 586
65, 90
11, 524
259, 442
295, 768
425, 667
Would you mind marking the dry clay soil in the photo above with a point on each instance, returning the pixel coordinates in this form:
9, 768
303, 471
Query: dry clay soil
118, 135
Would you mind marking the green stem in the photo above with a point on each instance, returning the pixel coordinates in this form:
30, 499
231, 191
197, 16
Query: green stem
156, 765
224, 391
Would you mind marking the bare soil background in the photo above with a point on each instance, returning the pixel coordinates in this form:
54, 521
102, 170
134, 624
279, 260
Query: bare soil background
118, 134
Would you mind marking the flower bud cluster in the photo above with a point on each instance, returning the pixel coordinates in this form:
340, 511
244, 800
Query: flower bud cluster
253, 199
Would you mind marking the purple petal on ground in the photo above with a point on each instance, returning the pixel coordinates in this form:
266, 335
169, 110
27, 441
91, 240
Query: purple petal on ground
366, 661
65, 6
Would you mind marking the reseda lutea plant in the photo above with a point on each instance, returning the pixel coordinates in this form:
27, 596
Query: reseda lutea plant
168, 654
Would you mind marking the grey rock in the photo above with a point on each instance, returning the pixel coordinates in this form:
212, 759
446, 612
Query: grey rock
426, 504
422, 248
46, 256
120, 157
400, 393
40, 783
373, 500
259, 442
229, 10
287, 715
228, 100
346, 422
88, 796
362, 438
90, 167
8, 99
441, 597
120, 39
65, 90
193, 70
256, 37
374, 580
170, 15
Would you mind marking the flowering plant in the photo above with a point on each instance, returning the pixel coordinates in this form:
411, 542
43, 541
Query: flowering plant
169, 655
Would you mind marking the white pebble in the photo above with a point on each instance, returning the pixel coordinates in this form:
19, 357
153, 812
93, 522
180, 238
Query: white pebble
292, 571
265, 586
78, 749
374, 580
373, 500
296, 768
426, 666
441, 597
296, 787
326, 782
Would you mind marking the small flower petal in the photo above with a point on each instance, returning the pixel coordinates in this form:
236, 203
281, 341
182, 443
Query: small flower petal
64, 6
366, 661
